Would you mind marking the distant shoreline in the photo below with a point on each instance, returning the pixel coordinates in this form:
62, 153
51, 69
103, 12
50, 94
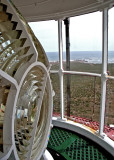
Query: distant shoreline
80, 61
93, 57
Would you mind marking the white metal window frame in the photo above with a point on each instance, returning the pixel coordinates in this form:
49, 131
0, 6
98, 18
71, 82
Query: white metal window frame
104, 76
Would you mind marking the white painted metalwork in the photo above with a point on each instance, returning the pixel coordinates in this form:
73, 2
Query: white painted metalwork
82, 73
39, 130
105, 142
61, 67
39, 10
25, 89
54, 71
110, 77
104, 68
104, 76
47, 156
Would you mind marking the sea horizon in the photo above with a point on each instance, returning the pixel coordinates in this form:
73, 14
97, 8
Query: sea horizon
82, 56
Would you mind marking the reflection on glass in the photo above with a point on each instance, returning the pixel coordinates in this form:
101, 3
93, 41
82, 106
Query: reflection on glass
15, 52
41, 126
4, 91
27, 107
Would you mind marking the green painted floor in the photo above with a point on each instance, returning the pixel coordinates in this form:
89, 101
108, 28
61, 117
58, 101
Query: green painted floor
71, 146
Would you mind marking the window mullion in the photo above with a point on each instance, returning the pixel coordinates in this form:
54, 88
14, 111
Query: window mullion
104, 69
60, 41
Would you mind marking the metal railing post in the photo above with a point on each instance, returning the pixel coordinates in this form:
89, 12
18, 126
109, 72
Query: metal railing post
61, 67
104, 69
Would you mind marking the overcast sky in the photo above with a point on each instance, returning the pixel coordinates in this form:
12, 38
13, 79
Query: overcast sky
85, 33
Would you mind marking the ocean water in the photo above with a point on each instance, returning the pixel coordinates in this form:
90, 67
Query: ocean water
86, 56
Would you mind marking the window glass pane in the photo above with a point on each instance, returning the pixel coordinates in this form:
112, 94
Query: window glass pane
56, 98
86, 42
109, 117
88, 67
85, 98
54, 65
47, 34
111, 43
